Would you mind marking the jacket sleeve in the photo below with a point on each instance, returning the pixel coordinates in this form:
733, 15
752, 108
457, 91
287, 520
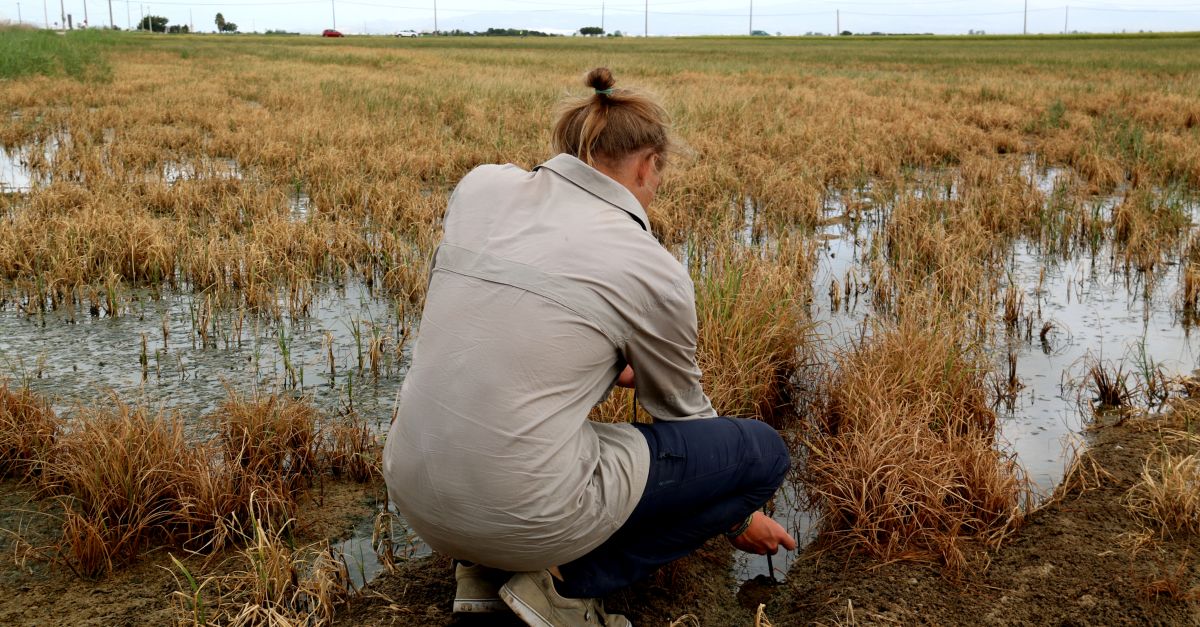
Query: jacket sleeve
662, 350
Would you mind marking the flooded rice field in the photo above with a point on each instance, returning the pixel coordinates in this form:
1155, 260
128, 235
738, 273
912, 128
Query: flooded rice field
1075, 312
174, 350
943, 270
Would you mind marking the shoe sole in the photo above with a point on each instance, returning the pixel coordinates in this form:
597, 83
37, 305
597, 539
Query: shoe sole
479, 606
522, 610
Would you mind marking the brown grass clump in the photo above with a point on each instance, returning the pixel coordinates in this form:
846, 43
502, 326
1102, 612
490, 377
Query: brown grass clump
113, 472
28, 428
352, 450
277, 586
274, 438
127, 478
1167, 496
902, 460
752, 332
1110, 384
1172, 582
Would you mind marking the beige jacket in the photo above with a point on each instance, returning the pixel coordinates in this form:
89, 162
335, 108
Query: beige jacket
545, 285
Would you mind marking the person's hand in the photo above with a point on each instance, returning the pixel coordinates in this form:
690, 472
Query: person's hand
625, 379
764, 536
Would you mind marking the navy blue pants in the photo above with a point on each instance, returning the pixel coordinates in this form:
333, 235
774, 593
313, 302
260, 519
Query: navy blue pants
706, 476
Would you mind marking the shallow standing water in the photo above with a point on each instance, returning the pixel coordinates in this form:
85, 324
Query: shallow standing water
74, 357
1097, 312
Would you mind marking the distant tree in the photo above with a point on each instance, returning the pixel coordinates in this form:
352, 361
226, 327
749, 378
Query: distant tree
510, 32
178, 28
591, 31
225, 26
616, 33
154, 23
845, 33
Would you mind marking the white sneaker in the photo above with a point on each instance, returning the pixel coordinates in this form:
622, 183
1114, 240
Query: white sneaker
478, 589
533, 598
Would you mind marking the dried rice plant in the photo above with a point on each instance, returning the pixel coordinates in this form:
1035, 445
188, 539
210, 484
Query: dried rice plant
275, 437
28, 429
278, 585
1167, 495
902, 461
352, 450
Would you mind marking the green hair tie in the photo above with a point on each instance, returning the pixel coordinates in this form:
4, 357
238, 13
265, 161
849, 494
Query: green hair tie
605, 92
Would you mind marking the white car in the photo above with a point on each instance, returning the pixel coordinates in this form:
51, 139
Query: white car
407, 33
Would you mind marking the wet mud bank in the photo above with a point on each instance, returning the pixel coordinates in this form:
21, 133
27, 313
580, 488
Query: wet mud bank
1082, 558
698, 590
1076, 560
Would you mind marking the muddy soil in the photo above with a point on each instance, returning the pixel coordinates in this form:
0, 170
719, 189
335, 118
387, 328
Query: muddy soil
1072, 563
37, 590
420, 593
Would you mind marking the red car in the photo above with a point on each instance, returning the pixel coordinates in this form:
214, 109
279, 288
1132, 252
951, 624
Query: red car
329, 32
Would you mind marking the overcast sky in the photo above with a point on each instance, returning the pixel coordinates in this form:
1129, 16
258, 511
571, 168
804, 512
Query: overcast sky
665, 17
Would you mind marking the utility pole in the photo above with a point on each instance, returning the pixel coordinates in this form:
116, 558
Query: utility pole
1067, 22
333, 11
601, 14
435, 28
1025, 28
19, 20
839, 23
128, 21
111, 22
62, 8
751, 17
646, 33
46, 13
191, 24
85, 15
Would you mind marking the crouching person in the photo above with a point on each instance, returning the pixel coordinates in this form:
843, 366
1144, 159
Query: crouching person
548, 289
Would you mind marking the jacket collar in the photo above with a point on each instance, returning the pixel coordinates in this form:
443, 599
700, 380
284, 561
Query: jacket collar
599, 185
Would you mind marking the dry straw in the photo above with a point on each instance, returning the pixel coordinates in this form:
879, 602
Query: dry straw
28, 429
1167, 494
126, 479
903, 461
276, 584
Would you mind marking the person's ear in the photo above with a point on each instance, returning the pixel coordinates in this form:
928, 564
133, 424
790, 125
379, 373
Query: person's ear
646, 163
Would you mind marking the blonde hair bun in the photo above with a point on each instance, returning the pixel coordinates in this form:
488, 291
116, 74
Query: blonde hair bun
600, 79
